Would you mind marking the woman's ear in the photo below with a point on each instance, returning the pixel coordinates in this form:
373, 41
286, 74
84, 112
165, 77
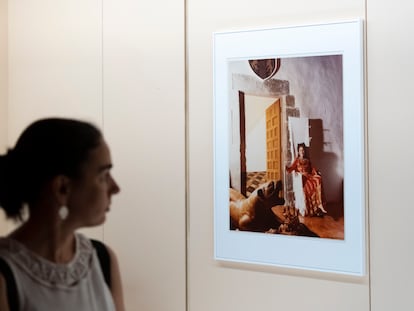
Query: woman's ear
61, 185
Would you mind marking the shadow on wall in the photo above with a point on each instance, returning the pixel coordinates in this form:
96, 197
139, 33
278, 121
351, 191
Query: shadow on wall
327, 164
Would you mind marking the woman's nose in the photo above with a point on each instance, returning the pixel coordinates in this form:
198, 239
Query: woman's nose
115, 188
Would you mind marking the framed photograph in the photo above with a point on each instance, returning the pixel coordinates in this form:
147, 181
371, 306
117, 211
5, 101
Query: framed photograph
289, 147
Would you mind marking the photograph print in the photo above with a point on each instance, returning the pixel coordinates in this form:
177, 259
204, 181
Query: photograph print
289, 147
286, 146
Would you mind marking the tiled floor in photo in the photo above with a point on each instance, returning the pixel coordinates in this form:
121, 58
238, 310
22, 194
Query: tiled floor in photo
254, 179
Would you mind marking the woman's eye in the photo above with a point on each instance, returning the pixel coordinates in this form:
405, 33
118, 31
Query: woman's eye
105, 177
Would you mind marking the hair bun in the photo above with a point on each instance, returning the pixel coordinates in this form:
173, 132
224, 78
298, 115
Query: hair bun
8, 199
7, 162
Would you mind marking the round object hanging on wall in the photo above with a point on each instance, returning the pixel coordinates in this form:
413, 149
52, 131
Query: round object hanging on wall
265, 68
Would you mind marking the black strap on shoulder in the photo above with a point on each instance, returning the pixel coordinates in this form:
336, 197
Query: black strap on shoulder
104, 260
10, 284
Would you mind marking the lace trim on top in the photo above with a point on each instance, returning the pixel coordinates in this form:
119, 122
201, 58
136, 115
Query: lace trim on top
47, 272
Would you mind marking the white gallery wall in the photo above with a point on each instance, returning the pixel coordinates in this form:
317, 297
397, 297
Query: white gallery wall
221, 286
143, 72
3, 73
106, 62
216, 286
3, 92
144, 120
390, 115
54, 63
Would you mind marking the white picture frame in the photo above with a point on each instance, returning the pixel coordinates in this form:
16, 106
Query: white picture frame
345, 255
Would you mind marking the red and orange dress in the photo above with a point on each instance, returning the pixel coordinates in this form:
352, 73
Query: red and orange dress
312, 185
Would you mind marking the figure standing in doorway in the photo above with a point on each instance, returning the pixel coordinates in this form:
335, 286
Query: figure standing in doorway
311, 182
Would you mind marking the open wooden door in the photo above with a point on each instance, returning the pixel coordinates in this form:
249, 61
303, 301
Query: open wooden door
273, 142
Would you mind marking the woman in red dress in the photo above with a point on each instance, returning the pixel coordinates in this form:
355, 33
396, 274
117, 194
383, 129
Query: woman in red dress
311, 181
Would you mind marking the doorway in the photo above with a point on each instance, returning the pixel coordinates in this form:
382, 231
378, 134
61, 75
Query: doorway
260, 141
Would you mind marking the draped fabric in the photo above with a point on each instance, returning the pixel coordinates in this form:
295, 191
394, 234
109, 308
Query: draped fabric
300, 201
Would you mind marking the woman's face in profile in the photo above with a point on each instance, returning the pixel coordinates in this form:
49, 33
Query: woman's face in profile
91, 196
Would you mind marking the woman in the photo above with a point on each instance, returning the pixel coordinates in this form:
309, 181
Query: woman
311, 182
58, 179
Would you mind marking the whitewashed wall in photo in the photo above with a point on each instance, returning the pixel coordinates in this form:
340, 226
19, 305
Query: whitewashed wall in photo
315, 87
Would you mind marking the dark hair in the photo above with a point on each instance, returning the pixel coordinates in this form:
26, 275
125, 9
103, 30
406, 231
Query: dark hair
305, 150
45, 149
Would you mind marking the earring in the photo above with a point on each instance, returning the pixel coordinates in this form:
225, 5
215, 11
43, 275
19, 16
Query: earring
63, 212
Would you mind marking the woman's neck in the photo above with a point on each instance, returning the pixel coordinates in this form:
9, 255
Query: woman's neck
54, 242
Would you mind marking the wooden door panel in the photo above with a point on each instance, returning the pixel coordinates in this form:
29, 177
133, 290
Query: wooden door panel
273, 152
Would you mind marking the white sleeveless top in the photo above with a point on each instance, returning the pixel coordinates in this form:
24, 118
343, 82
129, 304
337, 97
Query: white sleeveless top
43, 285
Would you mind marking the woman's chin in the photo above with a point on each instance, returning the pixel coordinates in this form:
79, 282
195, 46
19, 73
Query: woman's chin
98, 221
